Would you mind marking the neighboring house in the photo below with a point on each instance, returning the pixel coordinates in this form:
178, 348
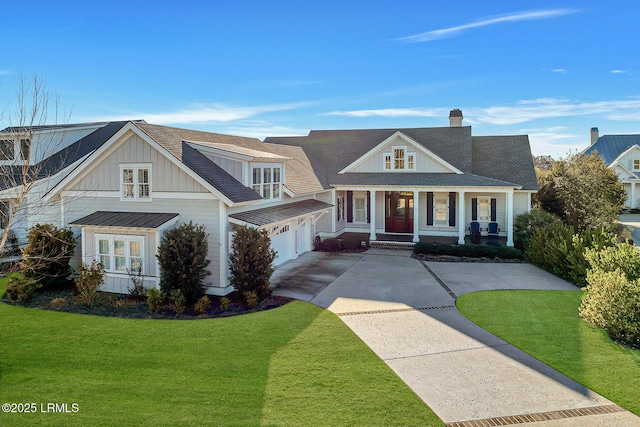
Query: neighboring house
622, 154
135, 180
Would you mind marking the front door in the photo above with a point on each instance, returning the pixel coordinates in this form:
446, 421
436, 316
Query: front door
398, 212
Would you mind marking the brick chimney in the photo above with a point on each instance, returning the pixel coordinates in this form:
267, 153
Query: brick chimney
455, 117
595, 134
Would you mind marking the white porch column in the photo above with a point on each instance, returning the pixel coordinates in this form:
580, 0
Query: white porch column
510, 218
372, 215
462, 224
416, 217
632, 196
293, 243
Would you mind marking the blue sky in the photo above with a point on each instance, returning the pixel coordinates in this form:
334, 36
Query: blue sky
549, 69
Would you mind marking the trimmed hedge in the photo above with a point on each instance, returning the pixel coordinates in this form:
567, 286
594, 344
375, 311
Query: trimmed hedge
346, 244
469, 251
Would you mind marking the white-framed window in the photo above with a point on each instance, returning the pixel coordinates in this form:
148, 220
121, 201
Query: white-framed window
14, 149
636, 164
360, 207
117, 253
399, 159
267, 181
340, 208
5, 213
441, 211
484, 208
135, 182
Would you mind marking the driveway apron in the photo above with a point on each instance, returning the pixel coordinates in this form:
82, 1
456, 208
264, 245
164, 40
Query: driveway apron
404, 310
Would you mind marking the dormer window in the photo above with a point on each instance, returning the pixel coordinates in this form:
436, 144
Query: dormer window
399, 159
636, 165
14, 150
135, 182
267, 181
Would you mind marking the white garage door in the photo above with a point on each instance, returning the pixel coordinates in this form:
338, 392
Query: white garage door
281, 243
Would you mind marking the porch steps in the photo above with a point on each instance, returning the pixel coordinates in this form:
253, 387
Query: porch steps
392, 245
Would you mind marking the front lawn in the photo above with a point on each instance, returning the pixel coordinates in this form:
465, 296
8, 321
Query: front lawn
546, 325
295, 365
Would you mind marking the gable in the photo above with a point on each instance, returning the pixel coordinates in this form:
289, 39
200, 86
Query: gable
166, 175
630, 160
413, 156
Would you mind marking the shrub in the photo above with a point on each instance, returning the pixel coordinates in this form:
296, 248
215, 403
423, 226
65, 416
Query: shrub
250, 299
589, 239
251, 261
156, 299
526, 223
225, 303
88, 280
47, 255
21, 289
177, 301
137, 290
58, 302
182, 255
623, 257
202, 305
470, 251
331, 245
549, 246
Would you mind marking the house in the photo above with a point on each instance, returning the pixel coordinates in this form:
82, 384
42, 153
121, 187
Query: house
132, 180
622, 154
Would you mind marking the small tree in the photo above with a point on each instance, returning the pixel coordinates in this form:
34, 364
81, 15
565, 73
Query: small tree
88, 280
47, 255
251, 261
182, 255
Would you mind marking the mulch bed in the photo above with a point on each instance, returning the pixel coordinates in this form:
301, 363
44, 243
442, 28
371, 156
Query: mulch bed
124, 306
450, 258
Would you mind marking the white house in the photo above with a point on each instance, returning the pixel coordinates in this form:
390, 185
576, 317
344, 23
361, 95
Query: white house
132, 180
622, 154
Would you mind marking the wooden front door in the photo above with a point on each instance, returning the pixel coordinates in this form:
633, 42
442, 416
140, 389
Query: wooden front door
398, 212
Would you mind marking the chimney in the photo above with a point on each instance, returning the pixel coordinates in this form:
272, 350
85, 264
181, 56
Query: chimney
595, 134
455, 118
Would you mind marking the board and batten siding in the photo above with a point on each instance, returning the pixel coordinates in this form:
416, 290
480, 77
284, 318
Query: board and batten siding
201, 212
424, 163
166, 176
520, 203
232, 167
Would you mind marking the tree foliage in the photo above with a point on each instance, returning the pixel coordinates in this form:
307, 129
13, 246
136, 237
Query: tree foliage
525, 224
584, 192
47, 255
182, 255
251, 261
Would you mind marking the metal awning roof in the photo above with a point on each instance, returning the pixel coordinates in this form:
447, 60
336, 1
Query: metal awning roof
125, 219
279, 213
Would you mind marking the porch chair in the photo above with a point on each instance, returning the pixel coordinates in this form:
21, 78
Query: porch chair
493, 229
475, 230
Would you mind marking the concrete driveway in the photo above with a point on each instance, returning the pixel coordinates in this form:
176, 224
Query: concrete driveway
633, 221
404, 310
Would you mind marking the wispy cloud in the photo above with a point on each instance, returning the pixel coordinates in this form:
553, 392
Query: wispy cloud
559, 70
619, 71
501, 19
392, 112
208, 113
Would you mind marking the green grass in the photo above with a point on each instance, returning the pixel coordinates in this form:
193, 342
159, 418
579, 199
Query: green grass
295, 365
546, 325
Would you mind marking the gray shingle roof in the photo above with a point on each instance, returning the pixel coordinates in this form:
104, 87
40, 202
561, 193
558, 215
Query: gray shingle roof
505, 158
126, 219
419, 179
274, 214
611, 146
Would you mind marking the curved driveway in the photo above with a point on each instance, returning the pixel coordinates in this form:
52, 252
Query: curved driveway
404, 310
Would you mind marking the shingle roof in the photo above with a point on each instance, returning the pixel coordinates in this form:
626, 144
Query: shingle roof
150, 220
274, 214
611, 146
485, 161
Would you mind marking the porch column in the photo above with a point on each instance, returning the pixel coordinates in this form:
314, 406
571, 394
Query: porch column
510, 218
462, 224
372, 215
632, 196
416, 217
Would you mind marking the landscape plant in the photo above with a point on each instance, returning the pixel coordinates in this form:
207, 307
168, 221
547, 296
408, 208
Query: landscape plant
88, 280
526, 223
21, 289
182, 255
46, 257
137, 279
251, 262
156, 299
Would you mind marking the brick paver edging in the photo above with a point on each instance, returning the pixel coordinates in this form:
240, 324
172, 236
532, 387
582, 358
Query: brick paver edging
540, 416
395, 310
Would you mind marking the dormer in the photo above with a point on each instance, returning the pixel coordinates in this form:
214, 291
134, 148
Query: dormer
262, 171
14, 149
400, 153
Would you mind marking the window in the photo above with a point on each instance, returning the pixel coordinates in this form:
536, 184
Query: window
119, 253
440, 211
636, 164
6, 149
135, 182
340, 208
5, 212
25, 147
484, 208
399, 159
359, 208
267, 181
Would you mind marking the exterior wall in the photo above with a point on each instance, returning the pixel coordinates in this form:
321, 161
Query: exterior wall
520, 203
324, 224
501, 210
422, 216
232, 167
424, 163
165, 175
